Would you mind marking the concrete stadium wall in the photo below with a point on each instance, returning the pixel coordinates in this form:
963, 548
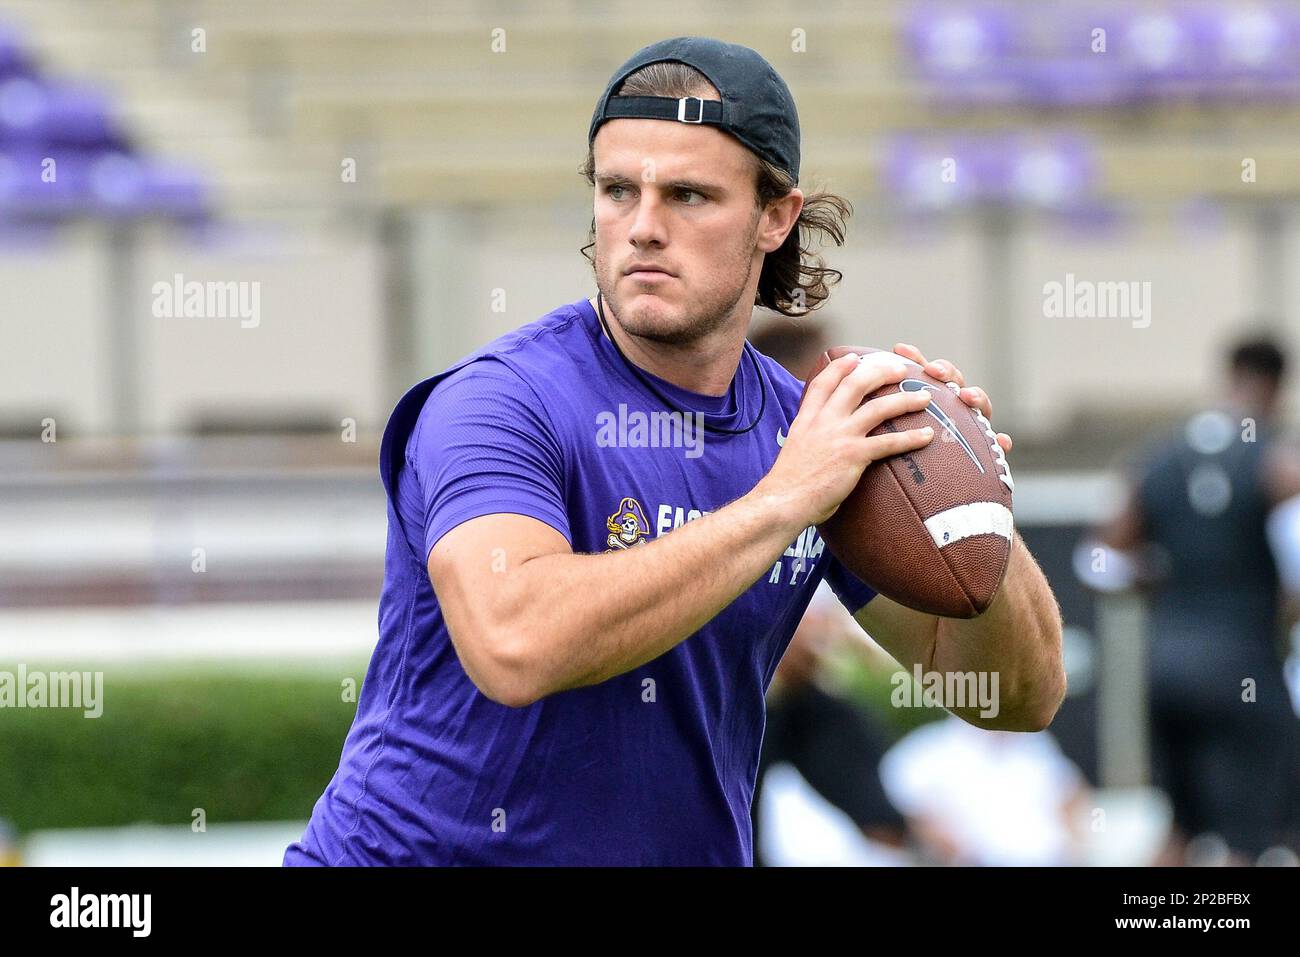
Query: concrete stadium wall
322, 348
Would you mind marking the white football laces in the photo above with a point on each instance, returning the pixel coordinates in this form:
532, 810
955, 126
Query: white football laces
999, 456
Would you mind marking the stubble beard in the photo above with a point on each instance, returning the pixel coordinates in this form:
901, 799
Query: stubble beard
705, 312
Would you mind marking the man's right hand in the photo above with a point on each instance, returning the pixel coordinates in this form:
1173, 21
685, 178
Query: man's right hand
828, 446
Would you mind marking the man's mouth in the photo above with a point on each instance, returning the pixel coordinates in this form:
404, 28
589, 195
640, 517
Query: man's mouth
646, 269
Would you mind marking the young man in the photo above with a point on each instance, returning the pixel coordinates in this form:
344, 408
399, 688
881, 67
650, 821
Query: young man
540, 697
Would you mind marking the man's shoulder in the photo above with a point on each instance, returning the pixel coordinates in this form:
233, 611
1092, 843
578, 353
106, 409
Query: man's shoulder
515, 367
525, 356
549, 336
547, 346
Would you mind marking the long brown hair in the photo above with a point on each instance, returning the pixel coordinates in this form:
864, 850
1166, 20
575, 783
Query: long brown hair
794, 280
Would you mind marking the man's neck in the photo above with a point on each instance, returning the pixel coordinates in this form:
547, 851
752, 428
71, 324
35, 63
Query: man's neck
705, 367
1248, 406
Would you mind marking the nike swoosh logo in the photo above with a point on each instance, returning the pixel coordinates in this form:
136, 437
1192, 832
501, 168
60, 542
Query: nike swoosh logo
916, 385
780, 437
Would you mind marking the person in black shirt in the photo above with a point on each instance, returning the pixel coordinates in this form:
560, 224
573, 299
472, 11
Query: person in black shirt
1223, 729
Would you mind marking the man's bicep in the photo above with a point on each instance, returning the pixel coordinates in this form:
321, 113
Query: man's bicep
909, 636
906, 635
469, 567
475, 556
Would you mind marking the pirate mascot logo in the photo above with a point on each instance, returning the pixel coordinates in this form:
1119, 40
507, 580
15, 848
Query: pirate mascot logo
627, 526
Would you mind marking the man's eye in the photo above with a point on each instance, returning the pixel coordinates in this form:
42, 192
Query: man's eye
615, 191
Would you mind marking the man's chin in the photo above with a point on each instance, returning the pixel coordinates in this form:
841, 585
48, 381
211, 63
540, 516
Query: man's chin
643, 294
649, 313
670, 331
656, 318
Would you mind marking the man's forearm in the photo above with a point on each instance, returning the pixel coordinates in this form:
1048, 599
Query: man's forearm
581, 619
1019, 639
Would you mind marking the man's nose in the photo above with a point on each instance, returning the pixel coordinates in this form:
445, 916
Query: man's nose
648, 224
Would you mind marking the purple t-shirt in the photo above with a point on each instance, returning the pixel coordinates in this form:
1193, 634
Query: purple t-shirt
654, 766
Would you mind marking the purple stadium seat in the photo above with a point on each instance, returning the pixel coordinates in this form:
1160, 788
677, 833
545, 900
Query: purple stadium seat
1044, 57
27, 192
122, 185
913, 170
22, 104
1054, 173
176, 192
1057, 173
965, 51
95, 172
14, 60
76, 116
37, 113
1166, 50
1090, 80
1075, 65
91, 183
1254, 52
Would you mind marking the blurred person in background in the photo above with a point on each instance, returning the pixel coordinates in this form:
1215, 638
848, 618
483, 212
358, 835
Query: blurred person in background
1223, 730
829, 741
976, 797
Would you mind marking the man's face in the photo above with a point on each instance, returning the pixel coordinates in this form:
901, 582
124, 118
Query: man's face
1255, 392
680, 197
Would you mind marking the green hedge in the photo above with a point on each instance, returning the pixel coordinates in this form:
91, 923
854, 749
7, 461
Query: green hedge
871, 687
242, 747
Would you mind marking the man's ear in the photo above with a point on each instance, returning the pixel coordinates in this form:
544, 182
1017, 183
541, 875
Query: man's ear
782, 214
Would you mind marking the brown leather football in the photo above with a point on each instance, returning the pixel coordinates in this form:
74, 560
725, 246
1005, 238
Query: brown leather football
930, 529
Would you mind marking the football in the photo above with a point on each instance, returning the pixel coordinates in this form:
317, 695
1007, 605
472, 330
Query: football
929, 529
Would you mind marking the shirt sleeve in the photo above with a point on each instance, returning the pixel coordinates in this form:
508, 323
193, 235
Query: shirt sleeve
483, 444
852, 591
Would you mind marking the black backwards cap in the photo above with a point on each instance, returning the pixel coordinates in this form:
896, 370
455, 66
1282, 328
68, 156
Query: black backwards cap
756, 106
